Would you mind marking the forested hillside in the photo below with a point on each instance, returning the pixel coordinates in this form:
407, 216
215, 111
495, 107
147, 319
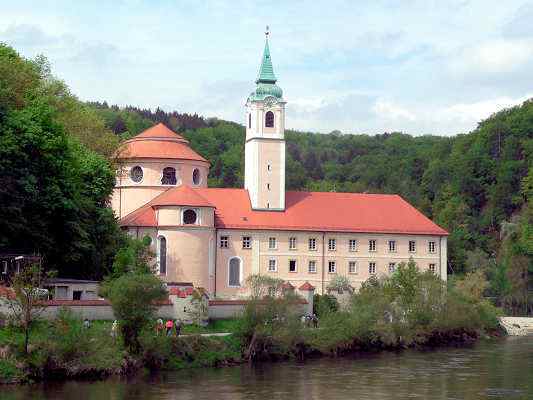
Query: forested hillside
56, 174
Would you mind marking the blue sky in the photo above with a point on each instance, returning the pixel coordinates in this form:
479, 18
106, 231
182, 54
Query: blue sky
420, 67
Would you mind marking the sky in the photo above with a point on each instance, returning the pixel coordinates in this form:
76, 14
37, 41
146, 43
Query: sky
420, 67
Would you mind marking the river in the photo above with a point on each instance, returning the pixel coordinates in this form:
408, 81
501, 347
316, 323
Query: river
496, 369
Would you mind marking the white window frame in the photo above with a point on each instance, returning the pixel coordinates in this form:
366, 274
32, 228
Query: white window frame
313, 270
272, 243
392, 249
392, 267
432, 268
372, 268
372, 245
198, 215
295, 266
158, 254
293, 243
432, 247
129, 174
314, 247
241, 267
200, 177
330, 264
413, 242
352, 245
224, 241
178, 181
354, 264
274, 262
248, 241
332, 244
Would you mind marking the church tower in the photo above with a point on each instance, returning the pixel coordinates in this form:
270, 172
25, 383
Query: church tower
264, 175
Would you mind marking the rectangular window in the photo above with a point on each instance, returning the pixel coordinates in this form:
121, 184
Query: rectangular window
272, 243
246, 242
4, 268
392, 267
412, 246
432, 267
352, 267
353, 245
312, 244
431, 247
312, 267
332, 244
61, 292
371, 245
224, 242
392, 246
272, 265
292, 265
332, 267
372, 268
292, 243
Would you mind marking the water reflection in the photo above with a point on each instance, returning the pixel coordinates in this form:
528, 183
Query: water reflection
495, 370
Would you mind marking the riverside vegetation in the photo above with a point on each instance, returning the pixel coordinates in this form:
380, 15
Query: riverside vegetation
408, 309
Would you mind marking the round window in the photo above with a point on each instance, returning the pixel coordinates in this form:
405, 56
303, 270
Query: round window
136, 174
196, 176
189, 217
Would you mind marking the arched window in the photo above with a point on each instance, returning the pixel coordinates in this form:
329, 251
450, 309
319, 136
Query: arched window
189, 217
169, 176
234, 272
250, 120
162, 253
196, 176
269, 119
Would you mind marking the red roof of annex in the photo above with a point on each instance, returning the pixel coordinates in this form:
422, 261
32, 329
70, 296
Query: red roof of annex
304, 211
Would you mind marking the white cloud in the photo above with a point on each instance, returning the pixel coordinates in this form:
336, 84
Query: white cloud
388, 110
493, 57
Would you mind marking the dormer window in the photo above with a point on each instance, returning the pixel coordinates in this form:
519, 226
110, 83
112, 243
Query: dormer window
269, 119
190, 217
169, 176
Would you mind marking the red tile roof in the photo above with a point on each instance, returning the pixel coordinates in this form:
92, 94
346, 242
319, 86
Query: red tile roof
287, 285
306, 286
181, 196
160, 131
305, 211
158, 142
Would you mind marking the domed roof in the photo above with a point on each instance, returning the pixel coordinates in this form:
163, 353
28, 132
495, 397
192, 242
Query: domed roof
158, 142
264, 90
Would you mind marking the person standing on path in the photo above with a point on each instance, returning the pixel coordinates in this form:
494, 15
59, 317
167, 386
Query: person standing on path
159, 326
169, 325
177, 326
114, 329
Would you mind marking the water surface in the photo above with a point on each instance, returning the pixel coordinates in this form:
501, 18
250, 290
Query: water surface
501, 369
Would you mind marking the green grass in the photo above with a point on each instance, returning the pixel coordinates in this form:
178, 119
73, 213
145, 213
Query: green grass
215, 326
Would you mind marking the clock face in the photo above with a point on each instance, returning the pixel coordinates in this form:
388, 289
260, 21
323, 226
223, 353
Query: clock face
270, 101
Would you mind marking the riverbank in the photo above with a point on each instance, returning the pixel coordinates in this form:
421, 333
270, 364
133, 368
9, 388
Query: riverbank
96, 355
517, 326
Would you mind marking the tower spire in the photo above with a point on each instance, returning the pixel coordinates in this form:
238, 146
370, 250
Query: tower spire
266, 71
